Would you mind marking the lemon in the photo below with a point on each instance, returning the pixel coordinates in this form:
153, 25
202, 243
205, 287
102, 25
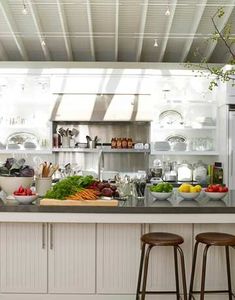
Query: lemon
184, 188
198, 187
193, 189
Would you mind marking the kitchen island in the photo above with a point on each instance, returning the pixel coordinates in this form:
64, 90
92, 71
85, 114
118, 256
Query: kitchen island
52, 252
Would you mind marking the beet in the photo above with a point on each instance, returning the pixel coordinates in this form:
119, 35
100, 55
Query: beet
107, 185
107, 192
101, 185
113, 187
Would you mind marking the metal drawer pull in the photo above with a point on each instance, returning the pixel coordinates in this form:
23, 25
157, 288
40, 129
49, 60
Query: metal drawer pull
232, 163
43, 237
51, 236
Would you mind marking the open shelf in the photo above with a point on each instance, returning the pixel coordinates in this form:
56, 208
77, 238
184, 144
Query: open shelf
24, 151
184, 153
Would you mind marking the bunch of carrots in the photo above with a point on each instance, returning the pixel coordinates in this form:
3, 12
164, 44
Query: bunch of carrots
84, 194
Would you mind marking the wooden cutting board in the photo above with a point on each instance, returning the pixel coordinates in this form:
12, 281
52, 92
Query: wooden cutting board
99, 202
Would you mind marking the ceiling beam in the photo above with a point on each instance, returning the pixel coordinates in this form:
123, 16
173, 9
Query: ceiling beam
90, 28
198, 12
3, 54
168, 29
220, 23
141, 29
116, 30
64, 27
13, 29
39, 30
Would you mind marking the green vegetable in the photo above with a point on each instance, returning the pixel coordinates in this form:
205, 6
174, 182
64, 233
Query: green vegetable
69, 186
163, 187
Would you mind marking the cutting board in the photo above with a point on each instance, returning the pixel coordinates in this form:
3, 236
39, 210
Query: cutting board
99, 202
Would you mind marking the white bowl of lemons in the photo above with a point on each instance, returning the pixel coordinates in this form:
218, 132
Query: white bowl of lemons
188, 191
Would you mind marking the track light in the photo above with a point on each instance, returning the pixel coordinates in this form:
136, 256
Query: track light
43, 43
167, 12
24, 10
155, 43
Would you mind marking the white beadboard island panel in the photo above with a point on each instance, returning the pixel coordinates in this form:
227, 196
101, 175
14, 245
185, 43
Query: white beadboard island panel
71, 257
23, 258
118, 252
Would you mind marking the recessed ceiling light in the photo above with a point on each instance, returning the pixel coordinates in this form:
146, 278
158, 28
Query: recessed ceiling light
155, 43
24, 10
167, 12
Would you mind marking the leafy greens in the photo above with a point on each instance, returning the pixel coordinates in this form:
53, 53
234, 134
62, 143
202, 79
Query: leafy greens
69, 186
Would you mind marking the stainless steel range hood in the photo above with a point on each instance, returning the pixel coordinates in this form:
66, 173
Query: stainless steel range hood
102, 107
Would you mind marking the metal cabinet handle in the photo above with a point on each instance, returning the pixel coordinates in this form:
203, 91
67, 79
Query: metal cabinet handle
51, 236
231, 163
43, 236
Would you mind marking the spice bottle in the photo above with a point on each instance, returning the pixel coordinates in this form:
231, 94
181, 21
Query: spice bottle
119, 143
129, 143
124, 143
114, 143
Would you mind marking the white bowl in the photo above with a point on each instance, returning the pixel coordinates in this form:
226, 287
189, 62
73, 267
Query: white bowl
161, 195
189, 195
26, 199
11, 184
216, 195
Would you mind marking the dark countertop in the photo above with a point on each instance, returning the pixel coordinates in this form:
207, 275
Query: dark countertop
175, 205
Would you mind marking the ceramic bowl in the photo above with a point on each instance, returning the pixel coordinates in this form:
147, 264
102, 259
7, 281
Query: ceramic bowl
11, 184
189, 195
161, 196
216, 195
26, 199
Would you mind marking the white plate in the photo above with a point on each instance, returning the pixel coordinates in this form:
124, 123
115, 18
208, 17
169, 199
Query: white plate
189, 195
26, 199
216, 195
161, 196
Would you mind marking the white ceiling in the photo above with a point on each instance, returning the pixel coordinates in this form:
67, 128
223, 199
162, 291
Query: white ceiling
111, 30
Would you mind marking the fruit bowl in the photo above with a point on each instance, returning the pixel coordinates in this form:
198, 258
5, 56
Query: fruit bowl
25, 199
10, 184
161, 195
189, 195
216, 195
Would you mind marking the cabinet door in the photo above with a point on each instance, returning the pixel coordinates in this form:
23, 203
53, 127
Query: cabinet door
118, 254
23, 258
71, 258
161, 273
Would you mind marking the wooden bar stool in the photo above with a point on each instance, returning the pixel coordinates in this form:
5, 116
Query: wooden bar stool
211, 239
153, 239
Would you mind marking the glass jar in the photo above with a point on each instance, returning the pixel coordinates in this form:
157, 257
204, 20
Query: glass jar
185, 172
200, 172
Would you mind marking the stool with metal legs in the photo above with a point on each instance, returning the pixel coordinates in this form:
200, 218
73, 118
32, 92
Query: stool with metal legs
211, 239
154, 239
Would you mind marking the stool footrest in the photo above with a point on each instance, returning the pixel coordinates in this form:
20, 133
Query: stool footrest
159, 292
210, 292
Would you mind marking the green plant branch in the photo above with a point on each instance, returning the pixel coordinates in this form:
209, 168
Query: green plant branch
217, 73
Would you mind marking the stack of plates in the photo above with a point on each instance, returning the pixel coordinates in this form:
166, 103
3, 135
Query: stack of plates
179, 146
29, 145
162, 146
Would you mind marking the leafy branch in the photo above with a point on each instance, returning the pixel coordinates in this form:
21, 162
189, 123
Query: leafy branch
224, 36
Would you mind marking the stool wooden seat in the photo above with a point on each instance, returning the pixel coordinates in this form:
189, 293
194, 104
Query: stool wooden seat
154, 239
211, 239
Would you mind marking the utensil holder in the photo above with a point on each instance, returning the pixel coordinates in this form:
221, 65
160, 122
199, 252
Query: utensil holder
65, 141
43, 185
